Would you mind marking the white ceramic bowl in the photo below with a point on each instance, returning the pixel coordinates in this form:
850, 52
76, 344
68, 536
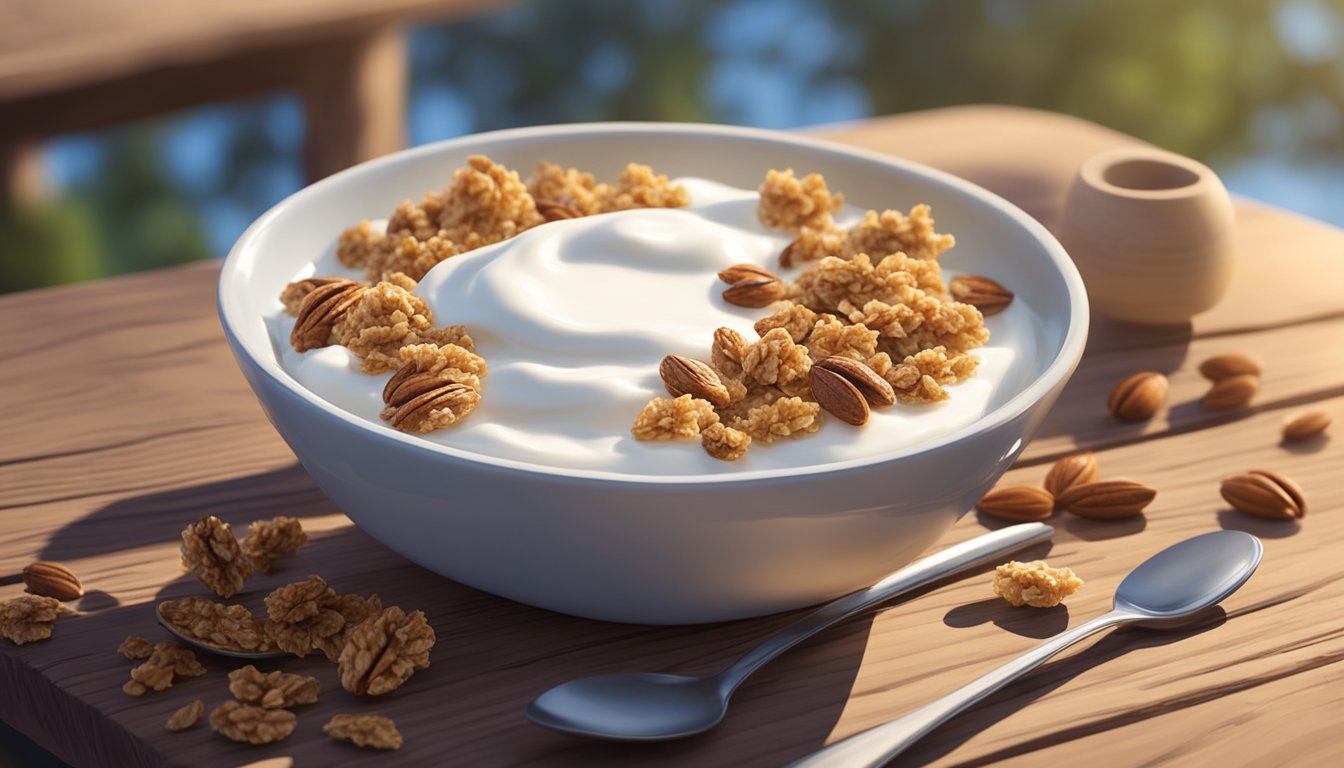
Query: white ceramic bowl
660, 550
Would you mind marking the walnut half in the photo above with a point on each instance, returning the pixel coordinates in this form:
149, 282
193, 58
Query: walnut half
214, 557
384, 651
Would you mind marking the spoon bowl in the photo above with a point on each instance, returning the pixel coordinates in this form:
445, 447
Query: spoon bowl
1188, 577
632, 707
197, 644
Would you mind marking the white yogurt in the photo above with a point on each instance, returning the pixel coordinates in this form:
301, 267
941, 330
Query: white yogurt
573, 318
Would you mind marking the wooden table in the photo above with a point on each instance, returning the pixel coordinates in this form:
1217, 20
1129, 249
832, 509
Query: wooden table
125, 418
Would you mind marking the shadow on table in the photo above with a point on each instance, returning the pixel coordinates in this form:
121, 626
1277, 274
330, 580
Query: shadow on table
1048, 678
160, 517
1039, 623
1235, 520
1161, 349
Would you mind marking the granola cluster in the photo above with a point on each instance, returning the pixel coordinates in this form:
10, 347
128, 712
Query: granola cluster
29, 618
874, 295
486, 203
309, 616
1035, 583
167, 662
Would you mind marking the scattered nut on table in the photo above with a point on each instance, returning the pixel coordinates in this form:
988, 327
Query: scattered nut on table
1225, 366
1138, 397
1035, 583
52, 580
1018, 503
364, 731
1073, 470
251, 725
1305, 425
29, 618
1107, 499
186, 716
1265, 493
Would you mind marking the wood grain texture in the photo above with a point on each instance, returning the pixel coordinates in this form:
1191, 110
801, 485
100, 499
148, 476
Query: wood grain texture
127, 419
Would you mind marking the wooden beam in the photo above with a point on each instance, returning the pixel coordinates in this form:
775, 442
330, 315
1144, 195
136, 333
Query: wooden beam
354, 96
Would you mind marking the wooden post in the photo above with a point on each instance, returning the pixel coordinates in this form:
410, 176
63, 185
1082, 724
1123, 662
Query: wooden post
354, 97
21, 173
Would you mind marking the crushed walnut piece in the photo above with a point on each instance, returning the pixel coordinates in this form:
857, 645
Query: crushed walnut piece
214, 557
272, 690
186, 716
785, 417
388, 317
29, 618
668, 418
251, 725
1035, 584
384, 651
725, 443
791, 204
167, 662
309, 615
727, 353
364, 731
229, 627
269, 540
134, 647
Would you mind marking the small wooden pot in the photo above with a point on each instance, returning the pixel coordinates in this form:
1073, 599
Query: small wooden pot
1151, 233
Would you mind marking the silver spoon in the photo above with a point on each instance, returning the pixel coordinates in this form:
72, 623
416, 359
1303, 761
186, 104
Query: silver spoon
1179, 581
654, 707
194, 643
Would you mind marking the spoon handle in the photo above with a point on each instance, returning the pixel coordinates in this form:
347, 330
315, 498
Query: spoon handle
875, 746
981, 549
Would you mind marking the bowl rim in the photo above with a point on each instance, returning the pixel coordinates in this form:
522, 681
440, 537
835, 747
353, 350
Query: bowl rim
1060, 368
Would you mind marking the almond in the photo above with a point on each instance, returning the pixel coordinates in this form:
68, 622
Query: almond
1300, 426
1220, 367
685, 376
52, 580
875, 389
1232, 392
754, 293
1107, 499
1018, 503
1138, 397
839, 397
739, 272
1070, 471
982, 293
1265, 493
